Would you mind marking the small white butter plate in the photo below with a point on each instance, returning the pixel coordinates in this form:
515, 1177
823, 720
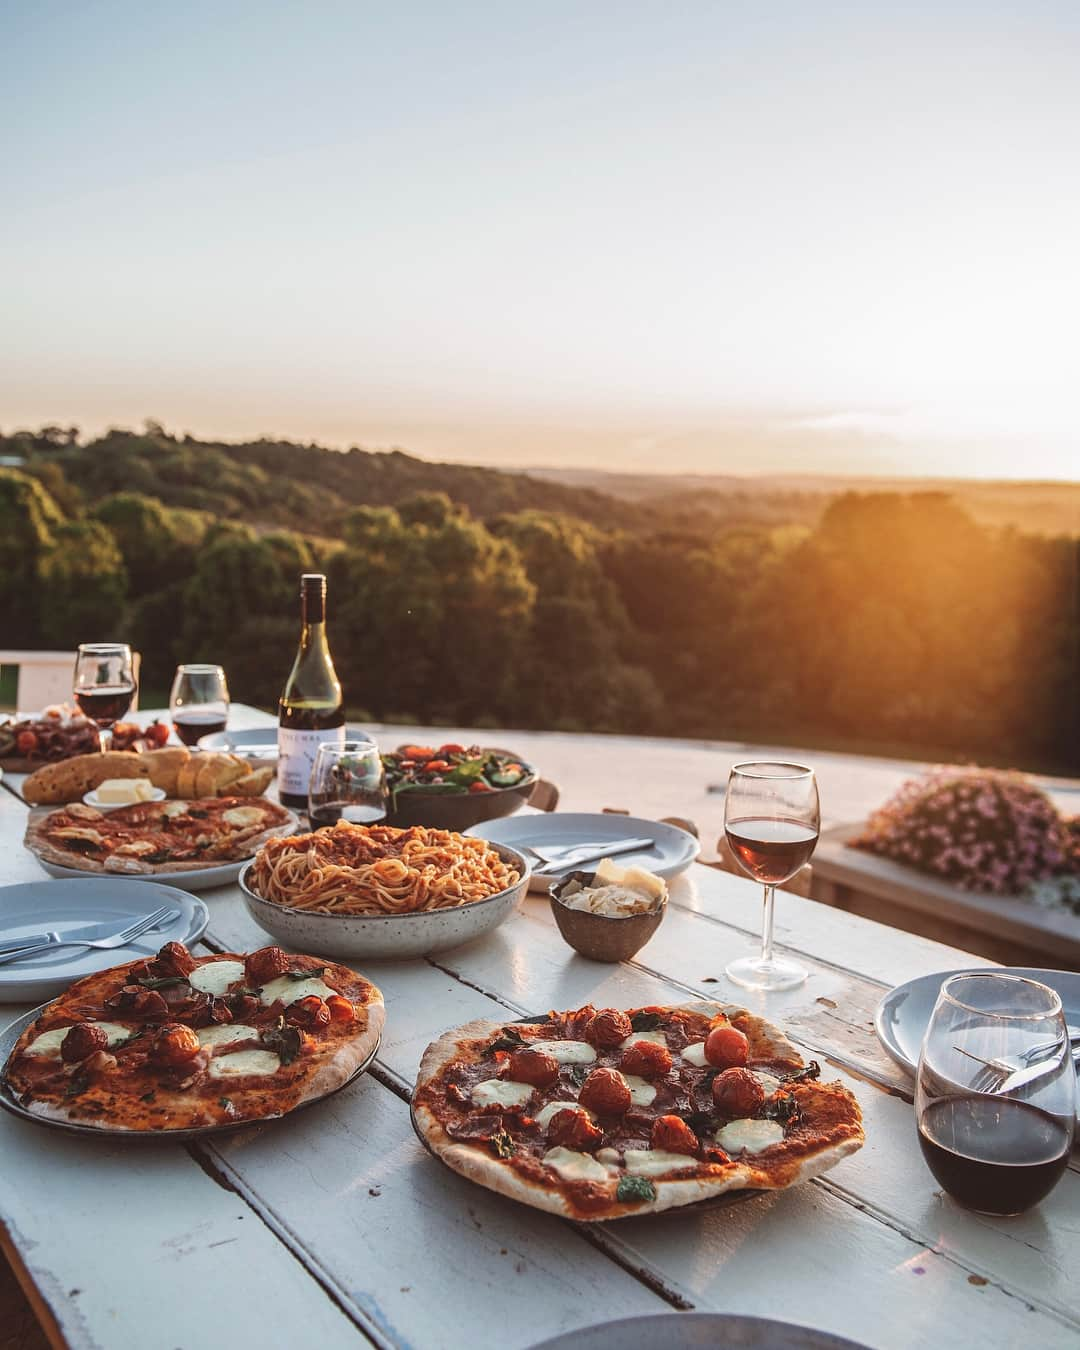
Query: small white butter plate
91, 799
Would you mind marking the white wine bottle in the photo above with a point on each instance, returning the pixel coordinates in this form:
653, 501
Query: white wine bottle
310, 710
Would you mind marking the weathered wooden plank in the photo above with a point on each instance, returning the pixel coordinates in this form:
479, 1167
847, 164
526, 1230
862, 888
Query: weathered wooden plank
135, 1246
419, 1255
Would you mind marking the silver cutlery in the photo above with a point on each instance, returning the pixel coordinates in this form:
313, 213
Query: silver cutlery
119, 939
1006, 1068
557, 853
584, 853
53, 936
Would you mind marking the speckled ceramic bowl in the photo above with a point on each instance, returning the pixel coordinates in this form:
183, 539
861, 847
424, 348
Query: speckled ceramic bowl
384, 936
602, 937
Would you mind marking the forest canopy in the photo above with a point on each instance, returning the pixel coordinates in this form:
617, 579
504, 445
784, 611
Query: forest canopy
894, 622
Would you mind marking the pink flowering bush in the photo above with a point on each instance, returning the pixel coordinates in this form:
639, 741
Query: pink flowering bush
984, 829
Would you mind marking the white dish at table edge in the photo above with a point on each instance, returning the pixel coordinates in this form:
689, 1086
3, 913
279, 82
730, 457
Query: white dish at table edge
42, 906
902, 1016
389, 937
677, 849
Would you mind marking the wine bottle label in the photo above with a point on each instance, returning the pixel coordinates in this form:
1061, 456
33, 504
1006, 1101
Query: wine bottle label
296, 756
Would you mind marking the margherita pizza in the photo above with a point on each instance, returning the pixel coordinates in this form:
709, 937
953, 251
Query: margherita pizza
603, 1114
180, 1042
156, 837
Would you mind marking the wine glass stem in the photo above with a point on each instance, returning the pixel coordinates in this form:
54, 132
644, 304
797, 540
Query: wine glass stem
105, 739
767, 924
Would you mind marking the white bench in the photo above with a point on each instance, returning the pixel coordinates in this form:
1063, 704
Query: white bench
1004, 928
45, 678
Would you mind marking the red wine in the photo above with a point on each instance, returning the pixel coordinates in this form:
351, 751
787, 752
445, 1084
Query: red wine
356, 813
771, 850
105, 703
994, 1155
190, 724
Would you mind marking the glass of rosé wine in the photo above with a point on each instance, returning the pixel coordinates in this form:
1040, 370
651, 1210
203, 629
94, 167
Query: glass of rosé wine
772, 819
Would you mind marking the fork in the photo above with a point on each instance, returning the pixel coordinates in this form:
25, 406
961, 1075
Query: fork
120, 939
1003, 1066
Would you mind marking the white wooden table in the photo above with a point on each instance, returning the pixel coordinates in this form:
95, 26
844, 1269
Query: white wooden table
336, 1229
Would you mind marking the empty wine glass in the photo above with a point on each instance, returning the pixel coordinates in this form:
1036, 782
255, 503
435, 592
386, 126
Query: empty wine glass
771, 819
104, 684
199, 702
347, 783
995, 1096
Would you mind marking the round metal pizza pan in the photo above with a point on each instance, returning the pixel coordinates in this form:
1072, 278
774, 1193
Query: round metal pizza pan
9, 1100
698, 1331
197, 879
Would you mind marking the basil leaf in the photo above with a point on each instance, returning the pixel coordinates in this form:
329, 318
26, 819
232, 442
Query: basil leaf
507, 1039
812, 1070
224, 1103
147, 1097
645, 1021
306, 974
783, 1108
502, 1145
286, 1041
79, 1083
165, 982
635, 1190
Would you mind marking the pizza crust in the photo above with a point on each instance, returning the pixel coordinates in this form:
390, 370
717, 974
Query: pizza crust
477, 1165
245, 844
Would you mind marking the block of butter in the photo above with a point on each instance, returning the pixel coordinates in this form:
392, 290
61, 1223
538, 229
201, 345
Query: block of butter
124, 791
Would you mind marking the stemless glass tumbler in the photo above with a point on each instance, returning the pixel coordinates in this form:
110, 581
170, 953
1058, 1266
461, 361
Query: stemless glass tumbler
995, 1098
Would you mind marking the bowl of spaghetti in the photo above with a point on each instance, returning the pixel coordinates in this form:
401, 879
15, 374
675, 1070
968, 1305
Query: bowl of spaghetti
374, 891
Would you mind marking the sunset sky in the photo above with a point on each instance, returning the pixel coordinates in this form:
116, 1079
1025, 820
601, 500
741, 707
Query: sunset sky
712, 237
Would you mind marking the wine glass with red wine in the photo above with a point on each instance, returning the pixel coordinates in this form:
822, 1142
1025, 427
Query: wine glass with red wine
104, 684
347, 783
199, 702
997, 1141
771, 819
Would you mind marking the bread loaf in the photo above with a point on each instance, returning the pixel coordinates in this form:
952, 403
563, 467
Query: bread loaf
69, 779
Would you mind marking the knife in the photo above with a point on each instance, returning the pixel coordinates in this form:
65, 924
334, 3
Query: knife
592, 853
1022, 1077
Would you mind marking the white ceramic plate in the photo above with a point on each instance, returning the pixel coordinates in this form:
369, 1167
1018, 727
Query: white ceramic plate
261, 742
60, 906
388, 937
904, 1013
91, 799
673, 850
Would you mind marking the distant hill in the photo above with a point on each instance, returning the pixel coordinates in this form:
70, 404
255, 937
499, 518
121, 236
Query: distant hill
1040, 508
304, 487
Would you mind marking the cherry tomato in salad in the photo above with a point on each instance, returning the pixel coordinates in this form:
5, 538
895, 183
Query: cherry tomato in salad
447, 750
27, 742
436, 766
421, 752
478, 786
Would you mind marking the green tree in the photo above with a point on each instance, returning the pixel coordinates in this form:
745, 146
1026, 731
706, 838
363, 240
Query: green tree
29, 519
83, 585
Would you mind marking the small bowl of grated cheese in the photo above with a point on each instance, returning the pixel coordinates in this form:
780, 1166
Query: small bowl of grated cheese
609, 914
